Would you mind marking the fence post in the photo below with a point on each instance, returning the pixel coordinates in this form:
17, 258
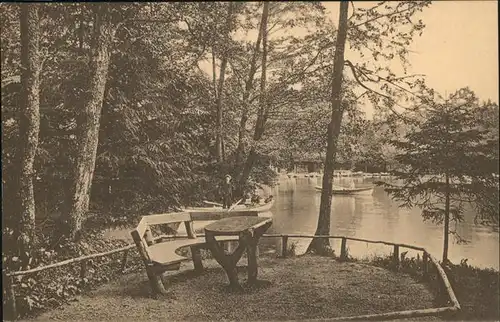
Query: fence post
11, 295
284, 246
425, 262
343, 249
124, 261
395, 257
83, 269
441, 289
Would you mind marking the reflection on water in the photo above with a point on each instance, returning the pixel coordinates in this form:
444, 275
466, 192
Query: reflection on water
375, 217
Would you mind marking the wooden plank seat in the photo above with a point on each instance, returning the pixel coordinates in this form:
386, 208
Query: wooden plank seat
161, 256
164, 253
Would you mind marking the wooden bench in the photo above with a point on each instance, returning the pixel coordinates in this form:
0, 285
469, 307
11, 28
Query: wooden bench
161, 256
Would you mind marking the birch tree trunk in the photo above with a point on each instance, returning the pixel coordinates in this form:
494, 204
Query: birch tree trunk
220, 88
89, 122
240, 150
322, 245
263, 110
446, 219
29, 126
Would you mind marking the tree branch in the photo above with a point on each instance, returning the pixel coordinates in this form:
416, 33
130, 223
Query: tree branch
353, 11
237, 73
358, 97
353, 69
304, 70
396, 85
386, 15
269, 30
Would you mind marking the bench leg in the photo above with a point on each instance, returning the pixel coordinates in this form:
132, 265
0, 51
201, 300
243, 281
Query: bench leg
198, 264
156, 282
228, 262
252, 261
232, 276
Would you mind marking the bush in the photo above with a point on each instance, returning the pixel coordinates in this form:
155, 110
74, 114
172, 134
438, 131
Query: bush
477, 289
50, 288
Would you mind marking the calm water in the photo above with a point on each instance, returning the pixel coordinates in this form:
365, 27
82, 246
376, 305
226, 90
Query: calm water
375, 217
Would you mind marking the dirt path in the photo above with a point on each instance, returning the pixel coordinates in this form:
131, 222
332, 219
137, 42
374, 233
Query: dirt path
297, 288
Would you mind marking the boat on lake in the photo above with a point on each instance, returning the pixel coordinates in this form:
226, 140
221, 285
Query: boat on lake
216, 207
263, 210
348, 191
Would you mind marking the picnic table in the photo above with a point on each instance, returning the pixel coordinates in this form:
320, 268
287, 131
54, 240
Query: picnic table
249, 230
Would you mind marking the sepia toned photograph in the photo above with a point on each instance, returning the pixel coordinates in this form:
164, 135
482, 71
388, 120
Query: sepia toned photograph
250, 161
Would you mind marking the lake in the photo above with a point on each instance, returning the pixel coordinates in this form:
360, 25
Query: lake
375, 217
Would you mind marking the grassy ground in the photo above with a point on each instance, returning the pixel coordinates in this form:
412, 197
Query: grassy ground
477, 290
294, 288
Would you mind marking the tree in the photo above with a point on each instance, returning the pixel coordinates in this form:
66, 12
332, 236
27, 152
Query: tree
288, 59
29, 125
263, 109
446, 162
219, 141
320, 245
89, 118
383, 31
245, 100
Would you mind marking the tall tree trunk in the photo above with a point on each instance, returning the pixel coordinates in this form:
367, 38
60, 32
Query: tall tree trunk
263, 110
320, 245
446, 219
240, 150
29, 126
90, 121
81, 31
214, 74
219, 138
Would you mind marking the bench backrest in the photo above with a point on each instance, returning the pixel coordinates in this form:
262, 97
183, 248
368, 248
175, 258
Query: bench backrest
142, 233
216, 215
162, 219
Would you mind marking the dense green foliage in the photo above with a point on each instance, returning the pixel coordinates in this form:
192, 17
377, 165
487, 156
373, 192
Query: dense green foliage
450, 159
51, 288
156, 135
477, 290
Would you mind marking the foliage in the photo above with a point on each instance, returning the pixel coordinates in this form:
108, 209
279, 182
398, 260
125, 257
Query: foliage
448, 161
155, 144
477, 289
49, 289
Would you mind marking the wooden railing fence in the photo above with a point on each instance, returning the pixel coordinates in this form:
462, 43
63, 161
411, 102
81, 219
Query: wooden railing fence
444, 284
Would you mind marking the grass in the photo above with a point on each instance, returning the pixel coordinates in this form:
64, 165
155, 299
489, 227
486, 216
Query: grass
304, 287
477, 290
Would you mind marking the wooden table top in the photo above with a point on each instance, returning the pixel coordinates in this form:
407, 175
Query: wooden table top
236, 225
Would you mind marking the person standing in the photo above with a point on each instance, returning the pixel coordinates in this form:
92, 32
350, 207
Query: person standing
227, 192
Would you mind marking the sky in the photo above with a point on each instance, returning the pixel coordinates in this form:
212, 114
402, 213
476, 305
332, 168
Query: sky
459, 46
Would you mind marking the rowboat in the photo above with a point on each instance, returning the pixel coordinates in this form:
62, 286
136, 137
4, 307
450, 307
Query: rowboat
349, 191
263, 210
216, 207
